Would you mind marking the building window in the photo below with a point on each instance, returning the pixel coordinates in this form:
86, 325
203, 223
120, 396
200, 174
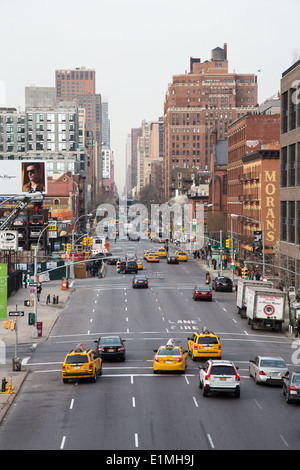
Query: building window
283, 221
292, 165
284, 113
291, 232
283, 160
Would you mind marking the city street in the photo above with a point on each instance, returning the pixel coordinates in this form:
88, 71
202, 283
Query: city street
130, 408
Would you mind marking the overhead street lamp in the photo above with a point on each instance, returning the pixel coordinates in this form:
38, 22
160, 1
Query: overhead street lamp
263, 234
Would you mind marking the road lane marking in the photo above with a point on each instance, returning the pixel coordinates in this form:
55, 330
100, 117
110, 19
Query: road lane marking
72, 404
133, 402
195, 401
210, 441
259, 406
63, 442
136, 440
284, 441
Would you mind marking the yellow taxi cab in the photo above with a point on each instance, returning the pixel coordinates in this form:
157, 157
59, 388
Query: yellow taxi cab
81, 363
139, 264
146, 254
204, 344
181, 255
169, 358
152, 257
162, 252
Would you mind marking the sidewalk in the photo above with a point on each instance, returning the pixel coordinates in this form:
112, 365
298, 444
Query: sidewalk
47, 314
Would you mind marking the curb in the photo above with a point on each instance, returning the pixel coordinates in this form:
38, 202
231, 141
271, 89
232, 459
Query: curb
12, 396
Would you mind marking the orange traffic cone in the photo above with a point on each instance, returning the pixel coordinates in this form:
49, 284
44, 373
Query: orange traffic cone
9, 388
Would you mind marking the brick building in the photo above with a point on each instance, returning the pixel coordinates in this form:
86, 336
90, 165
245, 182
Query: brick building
290, 173
206, 99
79, 85
253, 159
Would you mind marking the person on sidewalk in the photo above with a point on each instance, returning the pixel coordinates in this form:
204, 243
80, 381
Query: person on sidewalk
297, 328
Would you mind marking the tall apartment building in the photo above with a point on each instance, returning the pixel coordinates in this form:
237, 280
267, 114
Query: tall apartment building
80, 84
45, 130
290, 172
205, 100
149, 151
135, 134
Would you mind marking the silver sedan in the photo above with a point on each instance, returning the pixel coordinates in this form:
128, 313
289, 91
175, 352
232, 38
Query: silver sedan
267, 369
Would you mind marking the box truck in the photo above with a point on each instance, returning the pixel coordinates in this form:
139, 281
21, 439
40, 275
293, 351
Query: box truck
265, 307
241, 293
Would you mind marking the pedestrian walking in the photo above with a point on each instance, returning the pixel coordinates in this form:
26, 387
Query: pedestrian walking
207, 277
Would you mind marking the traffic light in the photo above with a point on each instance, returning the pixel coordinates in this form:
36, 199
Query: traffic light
68, 247
85, 241
245, 273
9, 324
228, 242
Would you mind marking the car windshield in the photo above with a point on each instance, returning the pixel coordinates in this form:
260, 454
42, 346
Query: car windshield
272, 363
296, 379
77, 358
168, 352
203, 288
222, 370
207, 340
113, 340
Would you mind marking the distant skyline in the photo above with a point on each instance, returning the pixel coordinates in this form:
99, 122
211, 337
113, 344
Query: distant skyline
136, 46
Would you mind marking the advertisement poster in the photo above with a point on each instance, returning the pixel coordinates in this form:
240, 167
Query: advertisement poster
22, 176
3, 291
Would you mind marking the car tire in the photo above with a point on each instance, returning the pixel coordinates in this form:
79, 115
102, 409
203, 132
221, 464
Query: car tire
237, 393
65, 381
205, 391
100, 371
94, 378
200, 383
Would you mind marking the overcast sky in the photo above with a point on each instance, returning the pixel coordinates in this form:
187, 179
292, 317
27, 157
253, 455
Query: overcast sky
136, 46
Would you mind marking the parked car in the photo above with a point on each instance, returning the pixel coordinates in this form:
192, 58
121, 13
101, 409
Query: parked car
221, 283
111, 347
219, 376
267, 369
291, 387
202, 293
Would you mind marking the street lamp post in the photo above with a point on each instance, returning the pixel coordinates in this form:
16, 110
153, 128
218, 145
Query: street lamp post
72, 274
35, 331
263, 234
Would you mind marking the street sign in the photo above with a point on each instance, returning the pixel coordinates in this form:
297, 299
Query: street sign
18, 313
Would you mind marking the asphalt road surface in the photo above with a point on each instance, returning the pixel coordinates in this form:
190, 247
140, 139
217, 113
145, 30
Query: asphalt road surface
131, 409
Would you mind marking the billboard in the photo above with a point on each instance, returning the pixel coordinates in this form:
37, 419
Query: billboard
22, 176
